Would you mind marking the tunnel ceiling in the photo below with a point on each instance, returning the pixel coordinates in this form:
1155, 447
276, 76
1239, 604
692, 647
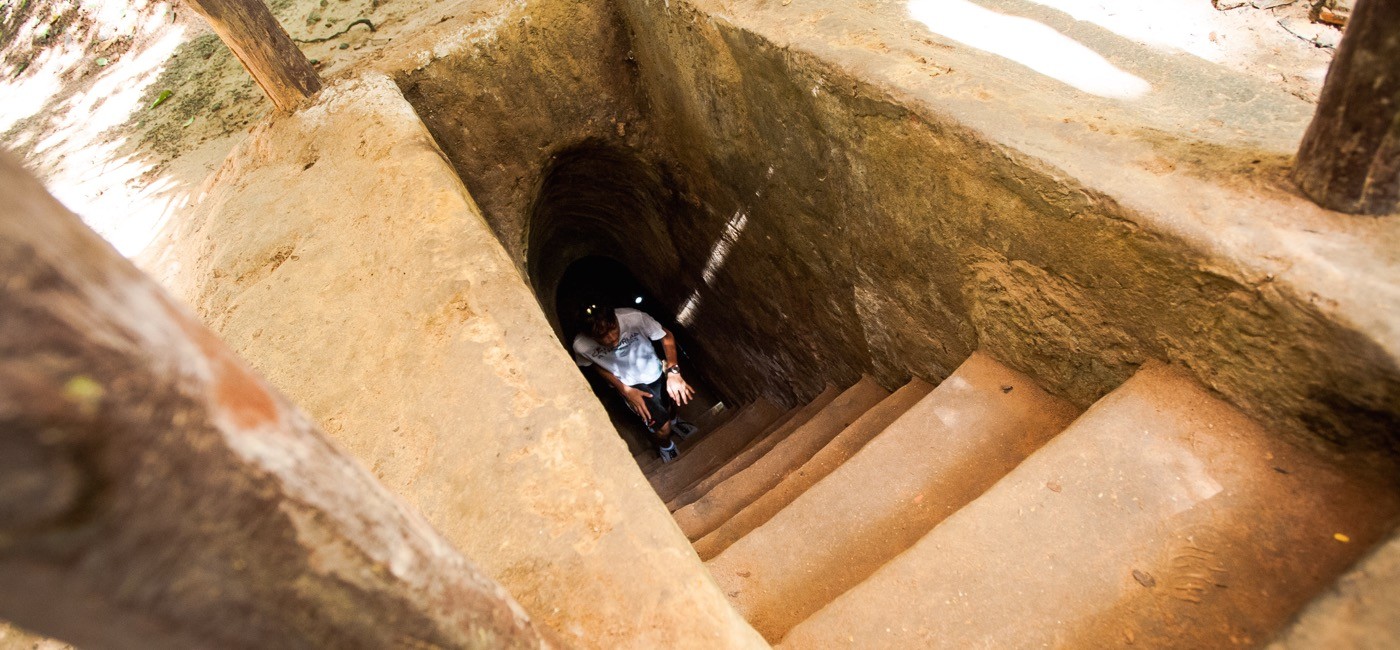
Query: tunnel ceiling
597, 199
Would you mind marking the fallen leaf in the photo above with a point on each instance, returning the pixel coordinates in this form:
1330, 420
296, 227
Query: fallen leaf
188, 122
160, 99
1144, 579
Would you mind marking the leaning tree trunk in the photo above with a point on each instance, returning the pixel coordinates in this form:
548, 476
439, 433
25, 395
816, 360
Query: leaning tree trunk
253, 34
1350, 157
155, 493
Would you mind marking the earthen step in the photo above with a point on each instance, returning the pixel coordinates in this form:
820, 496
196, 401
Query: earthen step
841, 448
713, 448
976, 426
1162, 518
780, 425
753, 451
729, 497
705, 423
777, 425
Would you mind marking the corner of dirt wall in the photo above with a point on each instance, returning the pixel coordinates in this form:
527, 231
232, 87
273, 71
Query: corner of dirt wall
534, 102
884, 237
341, 256
503, 93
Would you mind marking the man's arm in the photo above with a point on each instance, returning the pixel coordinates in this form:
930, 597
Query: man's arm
676, 386
636, 398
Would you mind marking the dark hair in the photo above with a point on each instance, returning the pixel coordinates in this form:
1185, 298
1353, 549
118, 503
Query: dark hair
597, 319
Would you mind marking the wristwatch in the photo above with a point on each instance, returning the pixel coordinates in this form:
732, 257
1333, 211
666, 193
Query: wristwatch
673, 370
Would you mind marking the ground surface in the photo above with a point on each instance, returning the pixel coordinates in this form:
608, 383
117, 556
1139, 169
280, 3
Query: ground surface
82, 81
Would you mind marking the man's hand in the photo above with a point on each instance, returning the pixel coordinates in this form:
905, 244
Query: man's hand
680, 391
636, 399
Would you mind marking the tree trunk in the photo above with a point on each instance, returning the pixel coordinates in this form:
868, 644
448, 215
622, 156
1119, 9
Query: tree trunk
249, 29
155, 493
1350, 157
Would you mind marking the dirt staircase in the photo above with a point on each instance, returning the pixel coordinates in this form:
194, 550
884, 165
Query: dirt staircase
985, 512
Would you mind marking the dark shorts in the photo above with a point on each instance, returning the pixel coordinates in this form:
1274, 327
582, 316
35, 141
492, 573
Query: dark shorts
660, 405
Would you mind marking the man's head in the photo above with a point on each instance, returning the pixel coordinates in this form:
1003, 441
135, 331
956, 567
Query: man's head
599, 322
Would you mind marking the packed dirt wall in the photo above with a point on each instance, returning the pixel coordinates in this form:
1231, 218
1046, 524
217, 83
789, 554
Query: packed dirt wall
908, 239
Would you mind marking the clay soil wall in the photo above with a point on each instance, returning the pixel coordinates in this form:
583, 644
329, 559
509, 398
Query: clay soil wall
884, 236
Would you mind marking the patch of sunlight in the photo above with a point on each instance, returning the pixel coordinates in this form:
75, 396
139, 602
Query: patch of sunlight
40, 81
1030, 44
1183, 478
687, 313
954, 386
27, 91
1184, 26
114, 197
113, 97
718, 254
726, 241
80, 163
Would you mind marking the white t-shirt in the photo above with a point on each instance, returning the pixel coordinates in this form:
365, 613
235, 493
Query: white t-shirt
634, 360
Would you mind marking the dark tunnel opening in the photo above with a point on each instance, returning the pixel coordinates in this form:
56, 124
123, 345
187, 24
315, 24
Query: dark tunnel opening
599, 233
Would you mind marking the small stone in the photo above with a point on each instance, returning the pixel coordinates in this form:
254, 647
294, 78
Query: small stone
1144, 579
1270, 4
1330, 17
344, 46
1341, 538
1054, 486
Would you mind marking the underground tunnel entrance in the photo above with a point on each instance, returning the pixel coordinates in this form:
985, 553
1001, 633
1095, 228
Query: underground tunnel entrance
599, 280
599, 234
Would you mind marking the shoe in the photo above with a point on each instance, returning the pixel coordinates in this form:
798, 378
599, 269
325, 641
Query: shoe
682, 428
669, 452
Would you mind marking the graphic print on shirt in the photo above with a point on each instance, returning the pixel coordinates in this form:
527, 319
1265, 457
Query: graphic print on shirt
634, 359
